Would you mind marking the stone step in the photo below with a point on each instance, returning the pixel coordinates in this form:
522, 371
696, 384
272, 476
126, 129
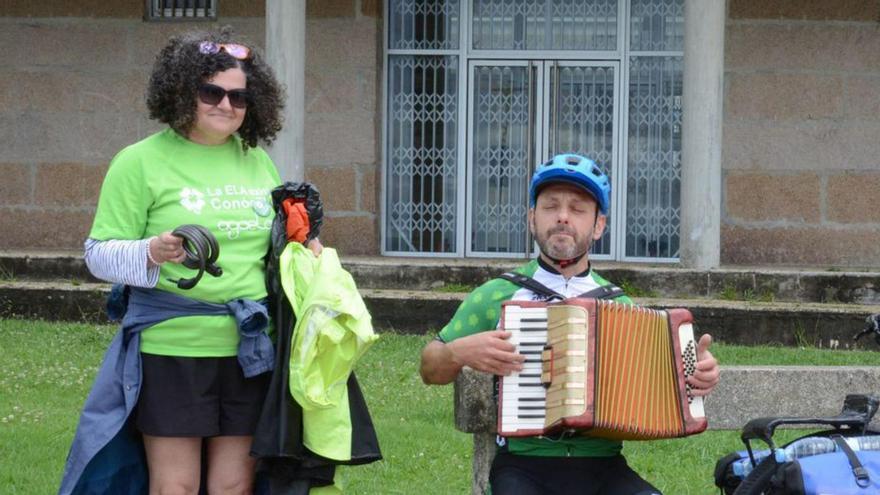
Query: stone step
412, 311
735, 283
656, 281
44, 266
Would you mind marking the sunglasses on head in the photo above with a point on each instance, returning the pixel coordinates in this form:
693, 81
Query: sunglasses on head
235, 50
211, 94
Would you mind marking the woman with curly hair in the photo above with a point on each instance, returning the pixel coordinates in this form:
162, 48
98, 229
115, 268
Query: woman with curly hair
197, 392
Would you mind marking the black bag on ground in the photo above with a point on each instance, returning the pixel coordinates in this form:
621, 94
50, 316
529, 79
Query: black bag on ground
843, 460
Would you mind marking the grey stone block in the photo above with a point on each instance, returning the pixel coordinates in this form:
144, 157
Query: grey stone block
54, 301
410, 311
747, 392
484, 454
475, 409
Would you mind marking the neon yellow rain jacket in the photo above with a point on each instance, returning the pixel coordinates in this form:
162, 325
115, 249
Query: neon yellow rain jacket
333, 330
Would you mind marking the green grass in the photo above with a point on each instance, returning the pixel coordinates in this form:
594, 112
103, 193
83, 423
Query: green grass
45, 373
46, 370
633, 290
454, 288
422, 449
792, 356
730, 293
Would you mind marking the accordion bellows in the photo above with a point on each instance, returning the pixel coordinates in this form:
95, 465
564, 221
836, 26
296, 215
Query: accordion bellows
601, 368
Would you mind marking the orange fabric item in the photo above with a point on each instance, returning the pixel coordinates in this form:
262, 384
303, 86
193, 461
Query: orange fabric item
297, 220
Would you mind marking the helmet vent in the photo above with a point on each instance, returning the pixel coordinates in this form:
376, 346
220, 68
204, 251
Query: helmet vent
572, 160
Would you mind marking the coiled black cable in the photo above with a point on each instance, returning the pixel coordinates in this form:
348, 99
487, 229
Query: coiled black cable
201, 250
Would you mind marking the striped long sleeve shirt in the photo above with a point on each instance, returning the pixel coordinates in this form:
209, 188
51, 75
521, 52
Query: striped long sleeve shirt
121, 261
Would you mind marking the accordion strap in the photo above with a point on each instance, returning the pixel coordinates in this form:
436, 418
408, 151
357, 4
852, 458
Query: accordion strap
609, 291
531, 284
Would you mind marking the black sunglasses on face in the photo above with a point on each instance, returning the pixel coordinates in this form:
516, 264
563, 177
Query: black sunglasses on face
211, 94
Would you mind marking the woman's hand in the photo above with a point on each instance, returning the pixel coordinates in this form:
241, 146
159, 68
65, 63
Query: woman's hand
316, 246
166, 247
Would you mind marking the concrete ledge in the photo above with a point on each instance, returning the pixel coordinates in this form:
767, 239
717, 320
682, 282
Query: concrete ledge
400, 311
785, 323
744, 393
44, 266
790, 285
54, 300
410, 311
418, 312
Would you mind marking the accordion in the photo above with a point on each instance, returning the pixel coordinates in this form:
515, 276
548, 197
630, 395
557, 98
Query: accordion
600, 368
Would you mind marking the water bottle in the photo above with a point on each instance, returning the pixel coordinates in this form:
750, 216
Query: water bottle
870, 442
743, 467
805, 447
820, 445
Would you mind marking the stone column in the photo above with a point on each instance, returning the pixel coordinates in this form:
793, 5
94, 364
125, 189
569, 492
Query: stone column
286, 53
701, 141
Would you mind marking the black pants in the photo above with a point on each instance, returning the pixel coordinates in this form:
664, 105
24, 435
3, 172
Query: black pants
532, 475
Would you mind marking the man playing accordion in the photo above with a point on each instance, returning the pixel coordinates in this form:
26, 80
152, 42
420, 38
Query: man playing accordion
569, 201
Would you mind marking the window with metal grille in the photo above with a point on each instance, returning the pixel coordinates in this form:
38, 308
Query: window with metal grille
465, 119
170, 10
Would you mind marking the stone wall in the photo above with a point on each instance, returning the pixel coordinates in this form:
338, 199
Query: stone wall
72, 95
801, 153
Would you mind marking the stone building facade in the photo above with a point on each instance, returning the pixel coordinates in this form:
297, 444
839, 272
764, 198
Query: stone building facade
801, 152
800, 171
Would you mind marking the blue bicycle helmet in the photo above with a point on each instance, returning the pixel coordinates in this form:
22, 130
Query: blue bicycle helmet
574, 169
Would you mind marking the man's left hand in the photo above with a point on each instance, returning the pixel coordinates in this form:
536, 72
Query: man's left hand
705, 376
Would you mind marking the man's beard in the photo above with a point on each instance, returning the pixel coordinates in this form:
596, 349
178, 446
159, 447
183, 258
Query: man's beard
564, 250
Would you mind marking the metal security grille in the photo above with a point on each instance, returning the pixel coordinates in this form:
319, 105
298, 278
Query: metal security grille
423, 25
654, 169
653, 179
582, 120
545, 25
422, 154
501, 158
657, 25
160, 10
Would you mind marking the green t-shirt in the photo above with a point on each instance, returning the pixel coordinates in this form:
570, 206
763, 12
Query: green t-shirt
480, 312
165, 181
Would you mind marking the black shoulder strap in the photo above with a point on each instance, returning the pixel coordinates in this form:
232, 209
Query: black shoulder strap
531, 284
609, 291
860, 473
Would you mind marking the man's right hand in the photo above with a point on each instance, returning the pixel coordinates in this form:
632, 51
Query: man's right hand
490, 352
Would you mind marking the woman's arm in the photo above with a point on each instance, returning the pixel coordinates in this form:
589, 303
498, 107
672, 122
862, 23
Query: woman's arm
121, 261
